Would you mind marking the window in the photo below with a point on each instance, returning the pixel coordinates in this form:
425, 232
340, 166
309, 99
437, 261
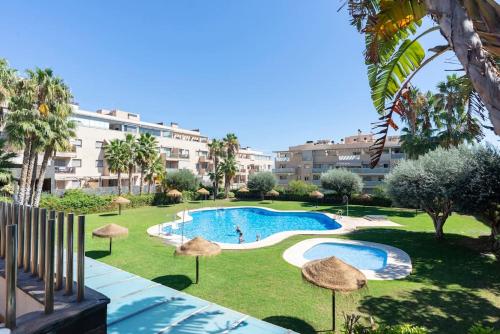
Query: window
99, 144
316, 177
99, 163
167, 134
77, 142
76, 163
153, 132
282, 177
130, 128
306, 178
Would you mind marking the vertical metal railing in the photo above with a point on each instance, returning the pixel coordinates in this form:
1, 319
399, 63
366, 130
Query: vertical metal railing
34, 241
20, 235
41, 243
80, 278
60, 251
69, 254
49, 267
3, 224
10, 275
27, 239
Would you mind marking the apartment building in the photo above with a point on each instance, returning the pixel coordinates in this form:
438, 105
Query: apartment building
307, 161
84, 165
250, 162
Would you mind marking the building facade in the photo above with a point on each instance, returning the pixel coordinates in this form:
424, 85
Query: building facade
84, 166
306, 162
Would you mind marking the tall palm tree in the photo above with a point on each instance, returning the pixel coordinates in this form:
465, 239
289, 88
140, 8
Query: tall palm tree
216, 152
7, 80
115, 155
61, 131
5, 163
231, 144
130, 156
154, 171
147, 151
229, 167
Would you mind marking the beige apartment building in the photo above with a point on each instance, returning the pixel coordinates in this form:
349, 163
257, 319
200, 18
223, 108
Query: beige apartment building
306, 162
83, 166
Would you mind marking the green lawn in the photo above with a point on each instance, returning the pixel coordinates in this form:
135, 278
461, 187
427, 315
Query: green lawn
451, 286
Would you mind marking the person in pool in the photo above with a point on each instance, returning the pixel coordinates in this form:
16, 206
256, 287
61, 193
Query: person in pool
238, 230
241, 239
257, 238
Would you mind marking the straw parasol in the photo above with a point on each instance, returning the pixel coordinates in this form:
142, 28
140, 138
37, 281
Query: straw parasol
198, 247
333, 274
120, 201
174, 193
318, 195
243, 190
110, 231
272, 193
203, 192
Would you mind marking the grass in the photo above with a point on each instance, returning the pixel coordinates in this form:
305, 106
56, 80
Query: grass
451, 286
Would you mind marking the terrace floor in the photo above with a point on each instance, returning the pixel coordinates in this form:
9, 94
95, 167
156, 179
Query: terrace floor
142, 306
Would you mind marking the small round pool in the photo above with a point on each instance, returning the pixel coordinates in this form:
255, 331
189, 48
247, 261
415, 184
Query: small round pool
361, 257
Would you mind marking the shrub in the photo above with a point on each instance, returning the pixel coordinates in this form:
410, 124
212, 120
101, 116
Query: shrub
342, 182
301, 188
261, 182
479, 329
75, 200
230, 195
181, 180
188, 195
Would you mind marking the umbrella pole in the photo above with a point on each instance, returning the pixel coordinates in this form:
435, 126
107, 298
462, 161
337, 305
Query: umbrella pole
333, 311
119, 209
110, 244
197, 268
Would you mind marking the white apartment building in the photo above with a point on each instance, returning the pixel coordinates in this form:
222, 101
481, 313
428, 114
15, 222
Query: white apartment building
84, 166
306, 162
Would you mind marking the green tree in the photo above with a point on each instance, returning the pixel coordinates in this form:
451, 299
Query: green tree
115, 155
342, 182
261, 182
147, 153
182, 180
7, 81
154, 171
430, 183
130, 156
300, 188
231, 144
229, 167
6, 163
216, 153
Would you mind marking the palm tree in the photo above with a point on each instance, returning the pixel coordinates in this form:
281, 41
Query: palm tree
115, 155
5, 163
231, 144
130, 156
7, 80
216, 152
229, 167
154, 171
61, 130
147, 151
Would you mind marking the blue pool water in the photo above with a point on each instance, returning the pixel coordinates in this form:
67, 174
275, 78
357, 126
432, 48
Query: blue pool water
220, 225
361, 257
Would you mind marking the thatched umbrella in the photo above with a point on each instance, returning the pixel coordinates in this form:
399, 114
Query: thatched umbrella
318, 195
110, 231
198, 247
174, 193
203, 192
333, 274
243, 190
120, 201
272, 193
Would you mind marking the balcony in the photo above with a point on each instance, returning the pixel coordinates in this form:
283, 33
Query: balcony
380, 170
282, 159
396, 156
372, 184
321, 170
171, 170
287, 170
70, 153
64, 170
283, 182
175, 155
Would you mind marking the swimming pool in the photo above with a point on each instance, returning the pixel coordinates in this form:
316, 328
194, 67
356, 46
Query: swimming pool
219, 225
358, 256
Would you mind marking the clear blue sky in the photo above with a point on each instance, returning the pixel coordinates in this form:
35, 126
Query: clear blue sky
275, 72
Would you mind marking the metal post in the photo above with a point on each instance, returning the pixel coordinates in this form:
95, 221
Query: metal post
20, 236
3, 223
41, 243
34, 241
11, 275
60, 250
27, 239
80, 278
333, 311
49, 267
69, 255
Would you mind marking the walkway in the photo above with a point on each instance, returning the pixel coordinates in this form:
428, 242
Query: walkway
142, 306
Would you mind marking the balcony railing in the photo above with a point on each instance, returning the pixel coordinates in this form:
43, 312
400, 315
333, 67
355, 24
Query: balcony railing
64, 170
321, 170
380, 170
286, 170
397, 156
175, 155
281, 159
369, 184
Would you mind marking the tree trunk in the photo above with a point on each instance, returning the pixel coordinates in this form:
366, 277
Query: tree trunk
226, 186
33, 181
438, 226
141, 182
149, 187
130, 168
24, 172
119, 183
31, 167
458, 29
41, 176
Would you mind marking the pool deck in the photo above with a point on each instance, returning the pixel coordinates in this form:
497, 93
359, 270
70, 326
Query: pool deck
349, 224
142, 306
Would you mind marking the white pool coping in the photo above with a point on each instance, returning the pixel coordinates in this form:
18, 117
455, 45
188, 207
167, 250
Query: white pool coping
398, 262
348, 224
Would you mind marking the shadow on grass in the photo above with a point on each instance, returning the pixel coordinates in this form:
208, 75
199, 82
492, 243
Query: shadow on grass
295, 324
97, 254
441, 311
177, 282
360, 211
110, 214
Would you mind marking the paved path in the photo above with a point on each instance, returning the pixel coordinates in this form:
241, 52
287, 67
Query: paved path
141, 306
